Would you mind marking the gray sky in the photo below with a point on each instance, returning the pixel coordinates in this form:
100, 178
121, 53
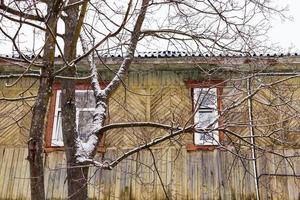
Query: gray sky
284, 33
287, 33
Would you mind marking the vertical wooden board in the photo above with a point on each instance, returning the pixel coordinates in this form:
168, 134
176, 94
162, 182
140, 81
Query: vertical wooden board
15, 190
264, 182
238, 178
94, 186
131, 178
63, 179
196, 176
239, 175
164, 171
151, 79
127, 176
158, 159
211, 190
198, 167
8, 170
271, 180
242, 175
204, 176
191, 175
297, 171
59, 178
221, 175
122, 180
293, 189
249, 184
112, 185
177, 180
27, 185
51, 179
56, 189
2, 167
229, 160
146, 176
24, 178
105, 180
11, 188
138, 168
91, 182
118, 181
2, 150
109, 178
170, 168
100, 192
215, 168
99, 187
46, 171
172, 186
184, 176
281, 182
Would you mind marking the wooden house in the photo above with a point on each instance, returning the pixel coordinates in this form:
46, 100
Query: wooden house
251, 148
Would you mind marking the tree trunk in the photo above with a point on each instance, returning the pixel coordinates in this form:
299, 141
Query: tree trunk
35, 143
76, 175
36, 140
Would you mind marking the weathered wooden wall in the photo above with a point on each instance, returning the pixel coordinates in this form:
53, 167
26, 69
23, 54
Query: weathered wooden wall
185, 175
160, 96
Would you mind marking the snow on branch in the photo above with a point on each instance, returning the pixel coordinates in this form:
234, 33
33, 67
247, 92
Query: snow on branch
147, 145
87, 150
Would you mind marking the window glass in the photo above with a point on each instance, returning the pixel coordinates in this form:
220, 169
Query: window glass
205, 116
57, 139
85, 122
85, 99
85, 106
205, 138
205, 119
205, 98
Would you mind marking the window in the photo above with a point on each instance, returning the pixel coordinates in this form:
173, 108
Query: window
205, 103
206, 106
85, 106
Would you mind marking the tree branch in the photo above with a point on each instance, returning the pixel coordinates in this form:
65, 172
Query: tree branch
136, 124
19, 13
147, 145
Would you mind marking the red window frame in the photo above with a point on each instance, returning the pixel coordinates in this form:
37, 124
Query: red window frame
219, 85
51, 116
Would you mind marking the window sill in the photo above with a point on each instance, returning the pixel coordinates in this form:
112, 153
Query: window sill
193, 147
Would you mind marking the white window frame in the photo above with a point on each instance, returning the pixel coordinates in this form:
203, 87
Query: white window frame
212, 110
56, 138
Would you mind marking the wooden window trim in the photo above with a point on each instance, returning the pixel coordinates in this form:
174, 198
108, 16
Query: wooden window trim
219, 85
51, 115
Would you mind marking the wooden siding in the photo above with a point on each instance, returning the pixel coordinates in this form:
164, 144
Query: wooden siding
161, 96
15, 116
185, 175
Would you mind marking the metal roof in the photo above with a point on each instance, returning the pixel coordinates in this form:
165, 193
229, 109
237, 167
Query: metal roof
170, 54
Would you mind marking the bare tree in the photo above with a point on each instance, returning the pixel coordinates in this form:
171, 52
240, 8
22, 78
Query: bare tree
107, 28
